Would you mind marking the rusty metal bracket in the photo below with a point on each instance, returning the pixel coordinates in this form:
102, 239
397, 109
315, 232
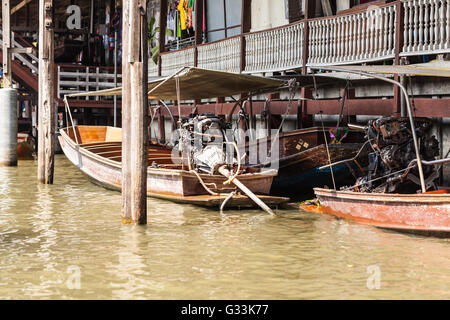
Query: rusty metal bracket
48, 26
49, 14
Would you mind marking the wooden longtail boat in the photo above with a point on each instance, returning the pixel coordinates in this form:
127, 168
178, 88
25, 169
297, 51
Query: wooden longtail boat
97, 151
302, 152
425, 213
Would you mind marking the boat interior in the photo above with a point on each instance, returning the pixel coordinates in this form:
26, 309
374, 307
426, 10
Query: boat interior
107, 142
293, 142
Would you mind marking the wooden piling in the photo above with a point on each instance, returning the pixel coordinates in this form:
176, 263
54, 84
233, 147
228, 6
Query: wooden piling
47, 112
7, 45
161, 127
134, 112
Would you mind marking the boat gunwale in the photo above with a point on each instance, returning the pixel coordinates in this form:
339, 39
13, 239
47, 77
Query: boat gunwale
383, 197
310, 152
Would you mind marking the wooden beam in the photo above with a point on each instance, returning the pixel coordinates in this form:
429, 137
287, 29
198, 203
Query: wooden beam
7, 45
246, 24
198, 28
20, 6
310, 10
306, 119
396, 107
47, 107
162, 25
198, 22
161, 127
134, 112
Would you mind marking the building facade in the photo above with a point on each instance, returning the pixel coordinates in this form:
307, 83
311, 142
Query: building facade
278, 37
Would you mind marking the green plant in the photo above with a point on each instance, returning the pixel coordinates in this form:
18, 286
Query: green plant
153, 40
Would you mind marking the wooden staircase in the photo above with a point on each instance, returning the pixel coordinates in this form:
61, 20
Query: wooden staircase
24, 65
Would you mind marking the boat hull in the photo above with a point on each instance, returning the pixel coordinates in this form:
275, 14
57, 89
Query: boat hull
417, 213
301, 173
175, 185
300, 155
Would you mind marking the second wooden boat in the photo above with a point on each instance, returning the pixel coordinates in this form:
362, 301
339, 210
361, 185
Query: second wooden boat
300, 155
426, 213
403, 160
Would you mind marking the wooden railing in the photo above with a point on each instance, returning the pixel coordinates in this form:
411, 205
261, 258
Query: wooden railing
27, 59
73, 79
376, 32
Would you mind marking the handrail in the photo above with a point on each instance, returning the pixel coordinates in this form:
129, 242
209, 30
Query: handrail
26, 43
76, 66
23, 57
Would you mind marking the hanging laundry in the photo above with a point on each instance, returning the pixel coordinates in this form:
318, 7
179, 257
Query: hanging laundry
191, 17
204, 20
171, 26
178, 25
182, 14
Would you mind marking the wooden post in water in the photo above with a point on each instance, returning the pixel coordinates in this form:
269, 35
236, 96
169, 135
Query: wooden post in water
47, 112
7, 45
134, 112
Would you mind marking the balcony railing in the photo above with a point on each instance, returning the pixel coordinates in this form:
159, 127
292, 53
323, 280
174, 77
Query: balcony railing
152, 68
426, 26
364, 36
221, 55
172, 62
275, 49
414, 27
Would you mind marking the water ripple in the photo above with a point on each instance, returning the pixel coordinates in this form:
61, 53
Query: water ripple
186, 252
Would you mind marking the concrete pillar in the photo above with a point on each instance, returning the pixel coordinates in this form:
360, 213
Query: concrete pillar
8, 127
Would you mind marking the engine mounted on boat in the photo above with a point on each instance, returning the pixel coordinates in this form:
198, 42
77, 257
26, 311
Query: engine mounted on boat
204, 143
390, 169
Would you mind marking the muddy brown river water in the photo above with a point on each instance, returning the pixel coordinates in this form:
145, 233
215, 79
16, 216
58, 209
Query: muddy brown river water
66, 241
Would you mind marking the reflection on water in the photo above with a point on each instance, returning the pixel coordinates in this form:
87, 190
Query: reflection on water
187, 252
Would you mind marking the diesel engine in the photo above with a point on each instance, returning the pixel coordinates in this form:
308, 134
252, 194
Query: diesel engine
392, 144
205, 144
